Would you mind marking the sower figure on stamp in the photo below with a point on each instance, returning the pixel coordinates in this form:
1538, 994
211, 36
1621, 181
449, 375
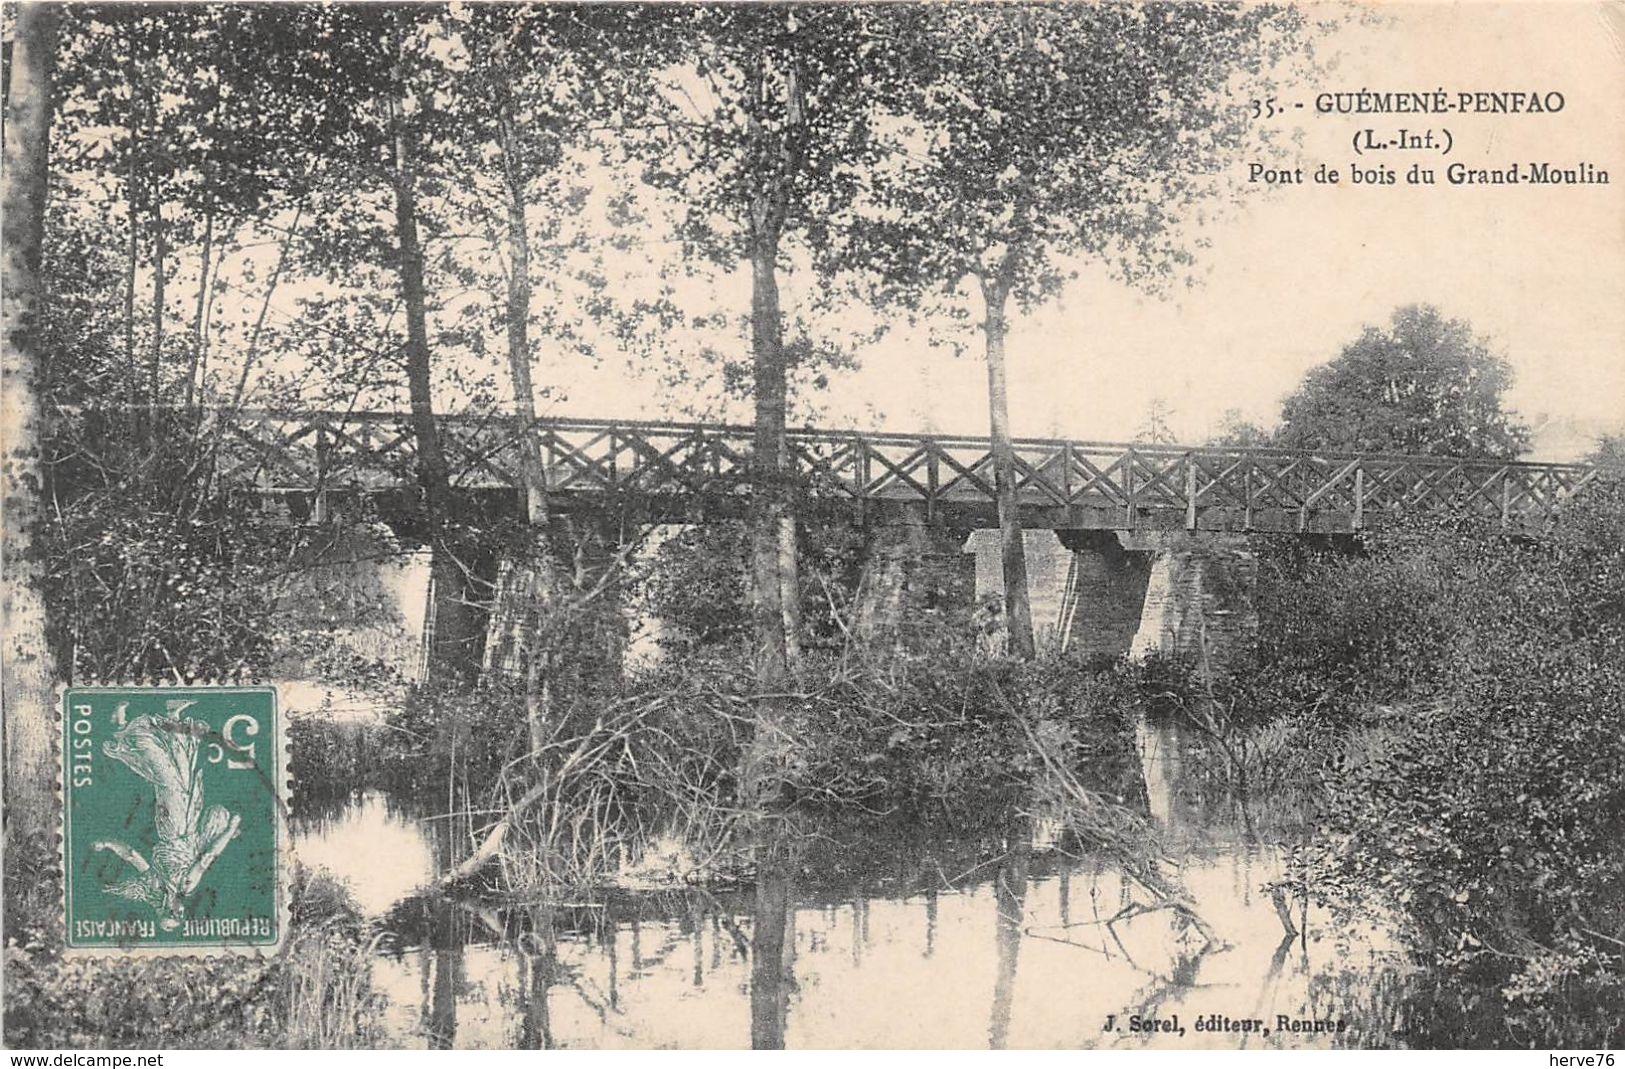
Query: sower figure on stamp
165, 753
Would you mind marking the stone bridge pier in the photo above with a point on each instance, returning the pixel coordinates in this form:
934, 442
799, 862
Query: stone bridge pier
914, 578
591, 636
1135, 593
1200, 597
1101, 597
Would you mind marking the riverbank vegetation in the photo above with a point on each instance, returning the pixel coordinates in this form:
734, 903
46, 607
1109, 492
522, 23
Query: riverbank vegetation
1439, 711
1442, 715
317, 994
938, 737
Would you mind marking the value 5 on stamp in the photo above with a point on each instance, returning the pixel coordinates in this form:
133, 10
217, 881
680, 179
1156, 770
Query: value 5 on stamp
173, 832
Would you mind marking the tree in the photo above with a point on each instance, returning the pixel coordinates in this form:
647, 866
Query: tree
151, 570
1038, 134
1426, 385
1609, 453
539, 80
190, 125
27, 675
455, 630
1154, 428
769, 132
377, 182
1235, 430
494, 34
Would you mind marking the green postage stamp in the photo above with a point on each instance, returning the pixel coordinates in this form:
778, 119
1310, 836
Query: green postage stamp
174, 829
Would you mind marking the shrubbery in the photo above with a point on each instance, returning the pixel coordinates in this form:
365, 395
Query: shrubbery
318, 993
1448, 707
1470, 689
331, 760
936, 738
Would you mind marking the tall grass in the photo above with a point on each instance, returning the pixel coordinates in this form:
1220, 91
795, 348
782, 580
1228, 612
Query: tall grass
332, 759
317, 993
323, 996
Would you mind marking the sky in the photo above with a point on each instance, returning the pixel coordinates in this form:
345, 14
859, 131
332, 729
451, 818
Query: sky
1292, 274
1297, 271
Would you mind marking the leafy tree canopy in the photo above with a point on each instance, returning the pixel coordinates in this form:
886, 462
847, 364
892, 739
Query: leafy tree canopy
1035, 133
1425, 385
1236, 431
1610, 453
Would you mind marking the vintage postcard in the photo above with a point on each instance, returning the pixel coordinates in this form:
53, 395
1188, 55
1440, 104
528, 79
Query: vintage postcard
814, 525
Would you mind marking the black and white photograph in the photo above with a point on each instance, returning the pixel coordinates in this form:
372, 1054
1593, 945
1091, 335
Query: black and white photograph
824, 526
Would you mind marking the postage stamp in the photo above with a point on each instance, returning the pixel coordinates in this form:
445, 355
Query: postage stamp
174, 832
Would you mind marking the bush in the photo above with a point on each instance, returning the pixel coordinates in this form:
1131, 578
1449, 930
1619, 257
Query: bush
936, 738
696, 583
317, 993
1486, 803
331, 760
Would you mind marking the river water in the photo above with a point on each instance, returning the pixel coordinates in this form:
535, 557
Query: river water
923, 952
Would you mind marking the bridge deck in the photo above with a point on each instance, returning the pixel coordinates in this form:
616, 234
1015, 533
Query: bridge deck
678, 471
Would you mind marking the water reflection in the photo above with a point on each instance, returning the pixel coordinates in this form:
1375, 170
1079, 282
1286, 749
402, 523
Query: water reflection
538, 952
813, 994
447, 939
896, 950
773, 946
1161, 748
383, 852
1010, 902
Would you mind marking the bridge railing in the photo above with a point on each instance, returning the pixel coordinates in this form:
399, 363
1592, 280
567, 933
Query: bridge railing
1059, 482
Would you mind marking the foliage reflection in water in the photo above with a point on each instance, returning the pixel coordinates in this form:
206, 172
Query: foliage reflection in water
919, 951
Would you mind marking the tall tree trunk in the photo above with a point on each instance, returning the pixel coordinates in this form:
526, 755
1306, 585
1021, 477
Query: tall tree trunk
774, 587
155, 367
790, 587
195, 358
451, 654
27, 674
199, 339
518, 315
132, 208
769, 513
537, 584
1018, 611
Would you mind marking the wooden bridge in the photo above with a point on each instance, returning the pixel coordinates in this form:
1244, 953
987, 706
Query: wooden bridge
684, 472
